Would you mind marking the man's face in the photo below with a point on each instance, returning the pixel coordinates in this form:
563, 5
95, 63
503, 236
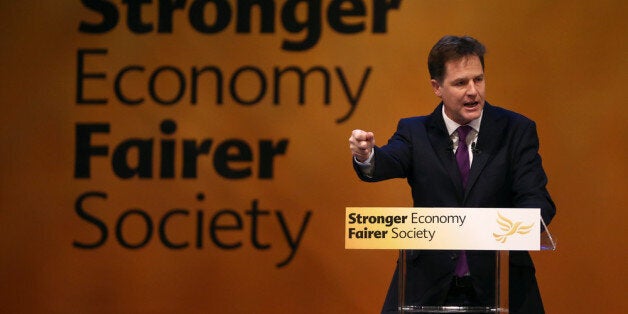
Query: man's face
462, 89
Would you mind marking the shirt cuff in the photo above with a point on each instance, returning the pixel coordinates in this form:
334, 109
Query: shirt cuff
367, 162
366, 167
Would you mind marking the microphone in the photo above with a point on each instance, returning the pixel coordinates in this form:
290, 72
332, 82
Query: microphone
475, 150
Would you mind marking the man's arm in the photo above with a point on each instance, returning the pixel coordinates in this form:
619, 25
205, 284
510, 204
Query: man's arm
373, 163
529, 178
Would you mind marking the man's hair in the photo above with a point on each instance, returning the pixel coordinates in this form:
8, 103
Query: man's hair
452, 48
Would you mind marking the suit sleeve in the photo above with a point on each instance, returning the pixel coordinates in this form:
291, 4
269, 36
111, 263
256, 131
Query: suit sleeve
529, 179
392, 160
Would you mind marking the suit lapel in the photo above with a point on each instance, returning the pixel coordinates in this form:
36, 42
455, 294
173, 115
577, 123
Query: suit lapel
441, 143
491, 133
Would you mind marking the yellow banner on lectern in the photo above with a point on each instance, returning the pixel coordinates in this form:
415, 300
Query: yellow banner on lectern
443, 228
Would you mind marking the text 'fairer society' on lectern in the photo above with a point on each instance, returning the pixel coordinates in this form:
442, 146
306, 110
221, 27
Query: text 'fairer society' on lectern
489, 230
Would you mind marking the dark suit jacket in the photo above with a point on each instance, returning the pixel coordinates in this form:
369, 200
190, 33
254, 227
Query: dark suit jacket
506, 172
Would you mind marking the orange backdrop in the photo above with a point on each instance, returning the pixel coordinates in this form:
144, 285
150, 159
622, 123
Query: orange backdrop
135, 216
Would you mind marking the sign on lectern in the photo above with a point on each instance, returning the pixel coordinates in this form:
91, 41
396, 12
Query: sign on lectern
442, 228
472, 229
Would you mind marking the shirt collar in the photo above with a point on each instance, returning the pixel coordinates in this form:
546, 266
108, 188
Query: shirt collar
452, 125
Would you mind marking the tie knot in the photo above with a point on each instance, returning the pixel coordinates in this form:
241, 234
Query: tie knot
463, 131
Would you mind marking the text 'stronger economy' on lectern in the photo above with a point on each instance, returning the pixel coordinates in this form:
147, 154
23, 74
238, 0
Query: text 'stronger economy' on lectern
472, 229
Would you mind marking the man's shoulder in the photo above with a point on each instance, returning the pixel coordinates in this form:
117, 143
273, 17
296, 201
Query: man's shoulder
414, 124
496, 112
414, 120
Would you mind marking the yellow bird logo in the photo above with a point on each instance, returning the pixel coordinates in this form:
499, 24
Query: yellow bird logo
510, 228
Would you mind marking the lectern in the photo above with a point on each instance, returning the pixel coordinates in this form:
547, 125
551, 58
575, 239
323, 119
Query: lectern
493, 231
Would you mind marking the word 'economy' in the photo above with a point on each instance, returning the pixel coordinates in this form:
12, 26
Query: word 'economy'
248, 85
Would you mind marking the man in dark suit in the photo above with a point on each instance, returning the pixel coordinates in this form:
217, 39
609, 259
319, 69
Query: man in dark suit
467, 153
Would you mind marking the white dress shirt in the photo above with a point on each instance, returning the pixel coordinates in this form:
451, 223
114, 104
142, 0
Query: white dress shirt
472, 137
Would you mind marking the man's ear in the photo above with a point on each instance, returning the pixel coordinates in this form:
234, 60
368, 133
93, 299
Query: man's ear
435, 87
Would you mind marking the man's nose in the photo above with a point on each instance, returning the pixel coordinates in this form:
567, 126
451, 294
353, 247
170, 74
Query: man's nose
472, 88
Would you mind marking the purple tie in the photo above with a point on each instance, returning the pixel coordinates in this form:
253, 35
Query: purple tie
462, 154
462, 157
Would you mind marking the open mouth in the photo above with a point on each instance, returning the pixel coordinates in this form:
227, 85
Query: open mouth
471, 104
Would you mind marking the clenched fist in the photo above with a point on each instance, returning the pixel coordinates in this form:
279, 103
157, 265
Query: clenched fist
361, 144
